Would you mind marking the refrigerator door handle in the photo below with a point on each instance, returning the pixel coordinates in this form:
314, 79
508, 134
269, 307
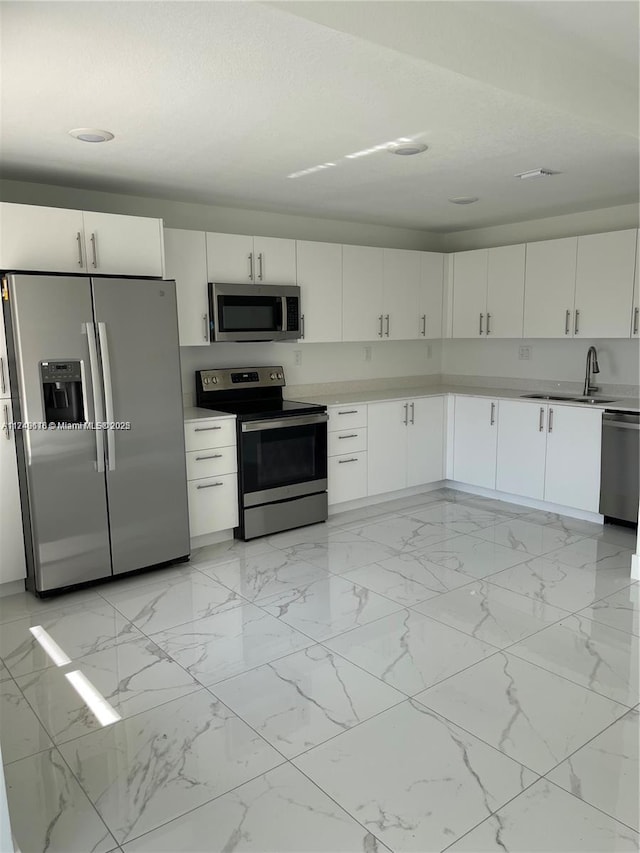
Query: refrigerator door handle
98, 414
108, 396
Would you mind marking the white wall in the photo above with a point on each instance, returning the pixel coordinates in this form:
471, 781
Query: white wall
202, 217
320, 362
554, 360
552, 227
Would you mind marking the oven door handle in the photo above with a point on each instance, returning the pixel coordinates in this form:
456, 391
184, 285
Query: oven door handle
283, 423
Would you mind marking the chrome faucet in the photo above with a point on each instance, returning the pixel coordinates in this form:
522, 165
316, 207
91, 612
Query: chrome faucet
592, 367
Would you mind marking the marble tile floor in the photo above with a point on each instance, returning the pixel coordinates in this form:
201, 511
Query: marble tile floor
440, 672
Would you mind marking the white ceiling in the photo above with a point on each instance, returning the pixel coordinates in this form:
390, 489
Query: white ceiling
218, 102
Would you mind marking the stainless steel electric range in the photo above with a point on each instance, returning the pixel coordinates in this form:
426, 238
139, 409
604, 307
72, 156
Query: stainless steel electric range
282, 448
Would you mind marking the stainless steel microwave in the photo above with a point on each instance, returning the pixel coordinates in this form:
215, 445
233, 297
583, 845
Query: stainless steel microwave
254, 312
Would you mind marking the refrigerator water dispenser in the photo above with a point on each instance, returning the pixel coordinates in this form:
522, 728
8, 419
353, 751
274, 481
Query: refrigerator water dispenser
62, 392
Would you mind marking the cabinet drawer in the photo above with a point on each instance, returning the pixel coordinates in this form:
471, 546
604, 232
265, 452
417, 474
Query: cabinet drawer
199, 435
347, 441
347, 476
211, 462
347, 417
213, 504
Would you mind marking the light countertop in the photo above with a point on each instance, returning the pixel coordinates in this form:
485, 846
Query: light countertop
192, 414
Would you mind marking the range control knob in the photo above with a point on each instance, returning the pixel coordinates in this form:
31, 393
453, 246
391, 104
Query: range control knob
214, 379
279, 375
205, 381
272, 376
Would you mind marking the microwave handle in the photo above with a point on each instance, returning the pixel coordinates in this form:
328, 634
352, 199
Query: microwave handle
280, 321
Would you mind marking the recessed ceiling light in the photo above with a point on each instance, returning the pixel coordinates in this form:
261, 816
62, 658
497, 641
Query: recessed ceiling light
536, 173
91, 134
464, 199
406, 149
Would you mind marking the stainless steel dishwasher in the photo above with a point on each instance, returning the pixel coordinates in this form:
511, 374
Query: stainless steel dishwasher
620, 466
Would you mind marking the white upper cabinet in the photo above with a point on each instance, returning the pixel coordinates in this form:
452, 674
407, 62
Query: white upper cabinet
186, 262
362, 289
470, 293
635, 310
572, 474
239, 259
320, 281
401, 294
505, 291
522, 448
604, 284
549, 288
431, 295
51, 239
475, 436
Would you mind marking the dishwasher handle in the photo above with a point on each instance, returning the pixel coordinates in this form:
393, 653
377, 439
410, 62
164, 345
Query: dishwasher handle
621, 421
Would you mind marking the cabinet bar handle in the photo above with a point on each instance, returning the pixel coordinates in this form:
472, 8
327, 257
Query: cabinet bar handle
387, 321
413, 413
481, 319
550, 420
214, 456
2, 377
302, 325
406, 414
488, 323
79, 239
349, 412
209, 485
205, 429
205, 321
94, 250
260, 266
636, 311
380, 321
351, 435
251, 266
344, 461
576, 329
541, 426
492, 419
567, 320
424, 326
7, 434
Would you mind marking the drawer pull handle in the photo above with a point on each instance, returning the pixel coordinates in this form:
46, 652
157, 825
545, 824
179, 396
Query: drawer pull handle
349, 412
209, 485
215, 456
344, 461
492, 419
541, 423
205, 429
351, 435
567, 320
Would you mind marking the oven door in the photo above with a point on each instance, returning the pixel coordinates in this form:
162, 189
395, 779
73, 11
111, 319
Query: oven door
283, 458
250, 312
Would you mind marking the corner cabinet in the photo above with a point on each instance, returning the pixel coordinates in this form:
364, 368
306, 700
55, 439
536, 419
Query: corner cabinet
186, 262
51, 239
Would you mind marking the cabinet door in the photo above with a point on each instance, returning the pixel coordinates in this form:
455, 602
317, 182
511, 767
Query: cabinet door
572, 476
522, 447
387, 447
213, 504
186, 262
505, 291
275, 260
635, 311
431, 294
475, 437
401, 294
347, 477
469, 293
362, 285
12, 561
425, 441
604, 284
549, 288
320, 280
230, 258
123, 245
46, 239
4, 365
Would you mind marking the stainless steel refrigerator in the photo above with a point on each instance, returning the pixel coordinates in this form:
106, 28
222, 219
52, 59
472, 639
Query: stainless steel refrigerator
85, 352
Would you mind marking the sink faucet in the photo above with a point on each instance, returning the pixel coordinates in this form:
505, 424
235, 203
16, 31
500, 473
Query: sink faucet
592, 367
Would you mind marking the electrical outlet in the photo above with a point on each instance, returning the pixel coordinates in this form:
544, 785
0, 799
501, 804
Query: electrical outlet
524, 353
297, 357
367, 353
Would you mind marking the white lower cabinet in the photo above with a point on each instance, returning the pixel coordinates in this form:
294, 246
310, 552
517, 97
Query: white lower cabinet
405, 446
347, 476
522, 448
475, 441
212, 480
347, 453
572, 474
12, 560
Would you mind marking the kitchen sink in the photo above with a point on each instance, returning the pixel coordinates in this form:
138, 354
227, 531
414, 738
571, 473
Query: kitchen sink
592, 400
563, 398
